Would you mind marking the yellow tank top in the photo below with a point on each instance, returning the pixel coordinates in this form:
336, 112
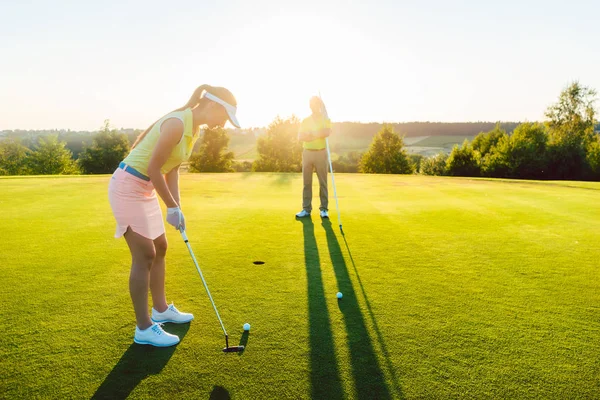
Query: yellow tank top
139, 157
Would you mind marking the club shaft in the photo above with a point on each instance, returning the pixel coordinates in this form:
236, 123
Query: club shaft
204, 282
337, 205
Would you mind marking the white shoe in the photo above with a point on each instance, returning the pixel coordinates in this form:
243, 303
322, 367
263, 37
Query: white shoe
155, 336
303, 214
324, 214
171, 314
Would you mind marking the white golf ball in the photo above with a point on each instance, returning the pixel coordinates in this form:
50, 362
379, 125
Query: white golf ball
246, 327
339, 295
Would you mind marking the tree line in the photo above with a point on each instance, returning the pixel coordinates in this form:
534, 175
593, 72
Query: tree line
48, 155
566, 146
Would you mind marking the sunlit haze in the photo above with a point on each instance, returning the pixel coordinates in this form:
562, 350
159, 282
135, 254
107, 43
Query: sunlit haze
73, 64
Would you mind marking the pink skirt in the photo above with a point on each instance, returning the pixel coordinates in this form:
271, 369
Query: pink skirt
135, 205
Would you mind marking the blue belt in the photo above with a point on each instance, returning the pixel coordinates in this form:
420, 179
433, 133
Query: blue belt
133, 171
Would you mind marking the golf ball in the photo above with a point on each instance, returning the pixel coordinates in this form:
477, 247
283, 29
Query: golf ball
339, 295
246, 327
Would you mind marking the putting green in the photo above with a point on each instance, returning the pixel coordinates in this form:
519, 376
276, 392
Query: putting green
451, 288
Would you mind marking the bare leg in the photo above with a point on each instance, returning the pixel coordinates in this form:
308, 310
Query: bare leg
157, 275
142, 257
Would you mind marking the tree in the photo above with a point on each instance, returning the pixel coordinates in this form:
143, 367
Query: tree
497, 163
463, 161
484, 142
242, 166
574, 110
108, 149
416, 160
435, 165
386, 155
213, 155
593, 158
347, 162
13, 157
571, 123
522, 155
528, 156
279, 149
50, 157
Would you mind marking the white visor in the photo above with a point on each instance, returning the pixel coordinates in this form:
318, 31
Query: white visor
231, 110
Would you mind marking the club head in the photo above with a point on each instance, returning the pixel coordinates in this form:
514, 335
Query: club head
233, 349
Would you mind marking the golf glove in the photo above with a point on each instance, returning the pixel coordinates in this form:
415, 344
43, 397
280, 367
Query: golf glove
175, 218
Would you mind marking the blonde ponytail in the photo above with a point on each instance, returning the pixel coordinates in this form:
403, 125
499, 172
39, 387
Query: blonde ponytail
192, 103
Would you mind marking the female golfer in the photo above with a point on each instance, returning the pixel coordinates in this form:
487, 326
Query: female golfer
152, 167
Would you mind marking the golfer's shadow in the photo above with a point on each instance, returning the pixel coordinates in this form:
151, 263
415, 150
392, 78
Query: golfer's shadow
137, 363
369, 379
325, 378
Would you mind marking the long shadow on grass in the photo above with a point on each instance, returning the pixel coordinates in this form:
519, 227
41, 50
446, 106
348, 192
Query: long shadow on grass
244, 342
137, 363
284, 178
388, 363
324, 374
219, 393
369, 380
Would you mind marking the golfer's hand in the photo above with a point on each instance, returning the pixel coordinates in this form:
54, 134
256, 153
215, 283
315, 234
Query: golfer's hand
307, 137
175, 218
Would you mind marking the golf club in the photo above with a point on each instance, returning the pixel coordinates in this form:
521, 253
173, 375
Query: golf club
227, 348
337, 204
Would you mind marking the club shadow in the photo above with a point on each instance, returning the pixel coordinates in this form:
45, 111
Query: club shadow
244, 342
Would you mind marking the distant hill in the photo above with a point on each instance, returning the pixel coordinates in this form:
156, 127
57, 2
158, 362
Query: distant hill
425, 138
419, 136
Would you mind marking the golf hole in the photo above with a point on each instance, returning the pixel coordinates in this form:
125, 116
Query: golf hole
258, 262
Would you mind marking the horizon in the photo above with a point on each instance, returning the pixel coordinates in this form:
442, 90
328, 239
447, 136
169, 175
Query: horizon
73, 65
234, 129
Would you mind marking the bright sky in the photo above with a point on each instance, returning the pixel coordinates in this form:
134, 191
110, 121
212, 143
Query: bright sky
72, 64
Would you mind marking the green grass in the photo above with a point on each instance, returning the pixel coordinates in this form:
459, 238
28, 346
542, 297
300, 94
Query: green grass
452, 288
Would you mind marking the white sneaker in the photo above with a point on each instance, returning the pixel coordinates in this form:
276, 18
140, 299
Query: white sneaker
171, 314
155, 336
324, 214
303, 214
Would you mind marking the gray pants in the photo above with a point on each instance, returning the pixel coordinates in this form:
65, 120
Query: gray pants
316, 160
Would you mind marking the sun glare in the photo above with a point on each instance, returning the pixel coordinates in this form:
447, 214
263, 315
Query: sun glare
289, 63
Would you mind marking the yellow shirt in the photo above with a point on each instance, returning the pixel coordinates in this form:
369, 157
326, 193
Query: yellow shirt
139, 157
314, 125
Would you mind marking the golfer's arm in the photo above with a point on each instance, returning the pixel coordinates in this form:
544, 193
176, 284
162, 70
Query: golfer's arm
323, 133
304, 136
170, 134
172, 178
